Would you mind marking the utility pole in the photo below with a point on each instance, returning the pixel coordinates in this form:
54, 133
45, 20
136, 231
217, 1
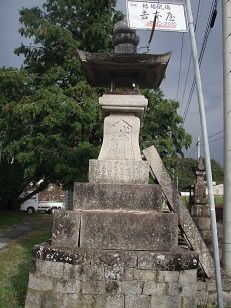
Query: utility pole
207, 156
198, 148
226, 11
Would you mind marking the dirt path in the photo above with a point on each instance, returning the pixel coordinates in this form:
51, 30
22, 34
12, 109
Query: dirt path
24, 227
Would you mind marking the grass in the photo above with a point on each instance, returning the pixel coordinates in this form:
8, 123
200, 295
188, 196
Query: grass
9, 220
15, 261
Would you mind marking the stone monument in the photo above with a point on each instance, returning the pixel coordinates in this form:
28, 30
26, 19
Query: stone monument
116, 248
199, 207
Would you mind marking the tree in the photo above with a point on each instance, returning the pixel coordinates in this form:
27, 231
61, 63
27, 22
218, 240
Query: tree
50, 120
46, 133
163, 127
217, 172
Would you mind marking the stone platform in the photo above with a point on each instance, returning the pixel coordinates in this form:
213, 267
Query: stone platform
84, 278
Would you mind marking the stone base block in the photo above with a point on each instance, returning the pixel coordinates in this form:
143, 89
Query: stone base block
107, 229
129, 231
103, 279
90, 196
118, 171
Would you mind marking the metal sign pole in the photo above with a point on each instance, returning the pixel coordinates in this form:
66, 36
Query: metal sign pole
207, 156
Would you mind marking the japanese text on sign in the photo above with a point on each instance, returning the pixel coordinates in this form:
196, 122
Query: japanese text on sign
170, 17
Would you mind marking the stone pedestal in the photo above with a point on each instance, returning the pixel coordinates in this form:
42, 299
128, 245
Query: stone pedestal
116, 248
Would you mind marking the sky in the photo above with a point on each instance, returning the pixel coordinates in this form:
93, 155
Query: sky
174, 85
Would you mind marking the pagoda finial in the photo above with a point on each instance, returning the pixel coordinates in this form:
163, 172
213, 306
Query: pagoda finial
125, 40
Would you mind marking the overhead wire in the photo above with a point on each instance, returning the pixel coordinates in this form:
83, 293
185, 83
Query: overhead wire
181, 56
198, 15
210, 24
215, 134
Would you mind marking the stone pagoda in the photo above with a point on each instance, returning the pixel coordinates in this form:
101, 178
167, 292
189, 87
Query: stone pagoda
116, 248
199, 207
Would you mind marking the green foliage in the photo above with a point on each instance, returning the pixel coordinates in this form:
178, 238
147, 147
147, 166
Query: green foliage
217, 172
163, 127
185, 170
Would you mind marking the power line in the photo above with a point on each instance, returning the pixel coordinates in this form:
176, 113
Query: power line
190, 58
216, 139
181, 56
193, 149
216, 134
210, 24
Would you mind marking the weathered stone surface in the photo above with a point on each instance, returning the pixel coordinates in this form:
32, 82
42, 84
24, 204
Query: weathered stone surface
68, 286
103, 279
161, 301
118, 171
123, 103
94, 287
168, 276
121, 137
163, 261
37, 282
145, 275
188, 276
186, 222
158, 288
38, 299
66, 225
137, 301
133, 231
118, 273
132, 287
90, 196
168, 261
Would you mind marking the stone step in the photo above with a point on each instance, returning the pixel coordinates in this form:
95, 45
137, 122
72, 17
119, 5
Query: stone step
123, 230
91, 196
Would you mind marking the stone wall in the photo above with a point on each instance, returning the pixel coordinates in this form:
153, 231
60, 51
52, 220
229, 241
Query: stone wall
111, 279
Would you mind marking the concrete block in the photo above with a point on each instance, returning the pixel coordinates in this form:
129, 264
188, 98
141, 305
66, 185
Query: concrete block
128, 274
168, 261
115, 258
90, 196
113, 287
152, 287
83, 301
94, 287
132, 287
128, 231
68, 286
115, 301
114, 273
40, 283
168, 276
175, 289
49, 268
188, 302
118, 171
165, 301
189, 290
94, 272
66, 225
188, 276
144, 275
33, 299
137, 301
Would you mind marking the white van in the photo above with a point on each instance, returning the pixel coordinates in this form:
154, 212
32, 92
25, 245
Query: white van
34, 205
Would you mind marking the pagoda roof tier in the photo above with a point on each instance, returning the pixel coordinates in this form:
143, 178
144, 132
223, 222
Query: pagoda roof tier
124, 70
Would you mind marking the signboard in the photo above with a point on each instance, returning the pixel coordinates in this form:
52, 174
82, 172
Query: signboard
170, 16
